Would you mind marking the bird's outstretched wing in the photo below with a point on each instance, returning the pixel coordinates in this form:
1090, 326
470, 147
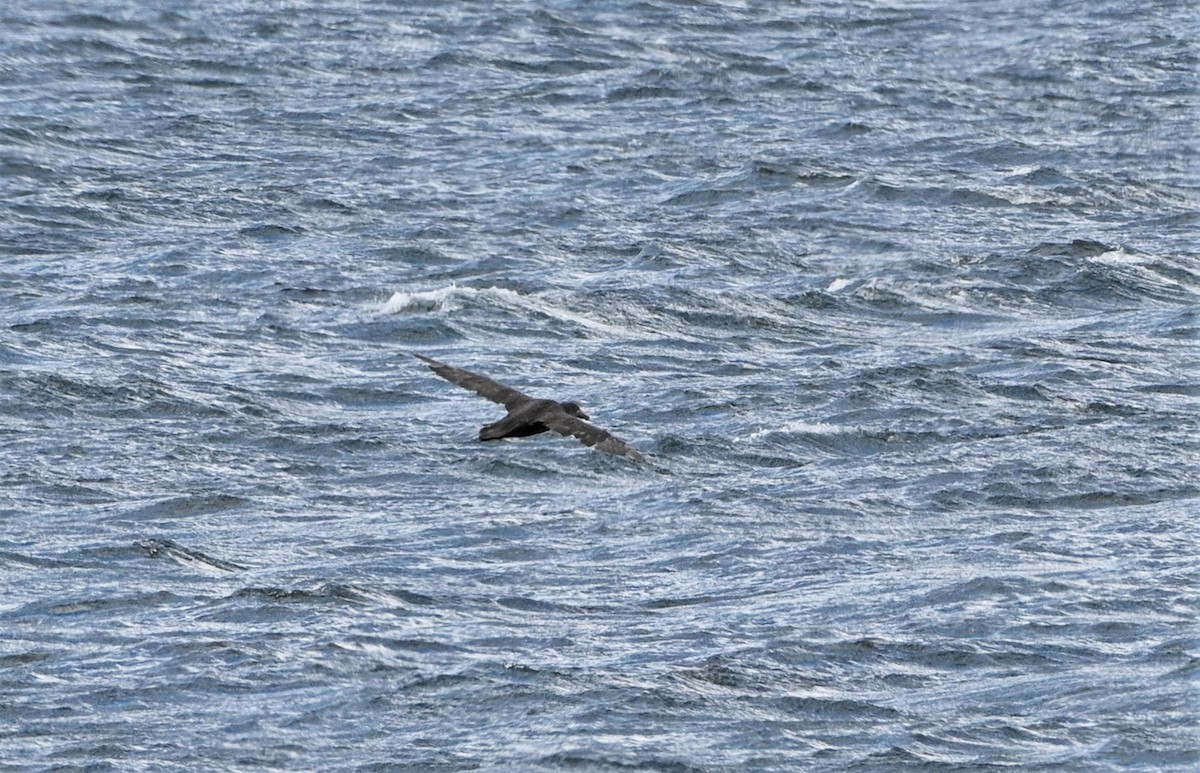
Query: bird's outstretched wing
480, 385
589, 434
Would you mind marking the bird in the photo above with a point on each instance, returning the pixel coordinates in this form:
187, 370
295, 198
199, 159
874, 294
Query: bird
531, 415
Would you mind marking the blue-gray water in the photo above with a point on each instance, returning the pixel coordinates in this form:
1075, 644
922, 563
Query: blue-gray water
900, 300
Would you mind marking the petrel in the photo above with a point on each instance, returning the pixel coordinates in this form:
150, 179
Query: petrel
530, 415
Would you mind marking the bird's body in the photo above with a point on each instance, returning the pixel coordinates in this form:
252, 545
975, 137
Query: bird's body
530, 415
524, 420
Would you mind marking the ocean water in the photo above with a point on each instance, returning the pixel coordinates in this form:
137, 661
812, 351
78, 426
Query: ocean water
898, 299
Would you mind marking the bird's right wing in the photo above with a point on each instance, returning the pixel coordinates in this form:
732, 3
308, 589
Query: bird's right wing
480, 385
589, 434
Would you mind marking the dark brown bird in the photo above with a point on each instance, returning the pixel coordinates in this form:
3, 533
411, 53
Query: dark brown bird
530, 415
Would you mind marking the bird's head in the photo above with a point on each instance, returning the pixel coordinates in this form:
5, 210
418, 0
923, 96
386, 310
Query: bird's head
574, 410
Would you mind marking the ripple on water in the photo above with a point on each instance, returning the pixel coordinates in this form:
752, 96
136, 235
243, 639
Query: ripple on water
900, 305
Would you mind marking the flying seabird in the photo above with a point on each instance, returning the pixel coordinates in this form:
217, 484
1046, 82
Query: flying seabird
530, 415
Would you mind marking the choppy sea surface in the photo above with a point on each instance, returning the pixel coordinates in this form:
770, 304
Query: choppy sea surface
899, 300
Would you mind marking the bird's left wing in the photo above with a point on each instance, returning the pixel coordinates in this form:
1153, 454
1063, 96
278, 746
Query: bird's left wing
589, 434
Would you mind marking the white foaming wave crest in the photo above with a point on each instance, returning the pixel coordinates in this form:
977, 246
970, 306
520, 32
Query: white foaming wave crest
450, 297
1119, 257
798, 428
454, 297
